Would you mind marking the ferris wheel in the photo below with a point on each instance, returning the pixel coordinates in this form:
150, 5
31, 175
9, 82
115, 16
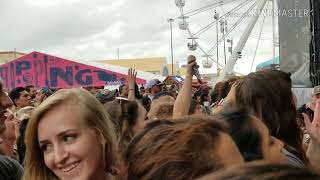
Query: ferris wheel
212, 25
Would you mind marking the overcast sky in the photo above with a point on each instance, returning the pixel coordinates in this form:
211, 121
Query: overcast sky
95, 29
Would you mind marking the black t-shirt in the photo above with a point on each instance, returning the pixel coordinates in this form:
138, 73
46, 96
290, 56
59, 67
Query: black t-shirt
10, 169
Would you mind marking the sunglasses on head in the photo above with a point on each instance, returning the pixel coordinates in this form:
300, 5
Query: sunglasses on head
120, 99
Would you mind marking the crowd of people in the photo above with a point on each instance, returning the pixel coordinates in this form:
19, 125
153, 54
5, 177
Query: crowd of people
243, 128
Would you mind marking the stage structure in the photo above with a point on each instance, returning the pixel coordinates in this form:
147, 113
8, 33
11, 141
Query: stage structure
294, 37
315, 42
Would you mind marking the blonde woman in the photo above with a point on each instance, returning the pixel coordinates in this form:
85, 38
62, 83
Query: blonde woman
69, 136
161, 110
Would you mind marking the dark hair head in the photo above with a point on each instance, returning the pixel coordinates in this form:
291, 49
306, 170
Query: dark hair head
245, 134
130, 112
267, 95
121, 87
262, 171
29, 87
20, 141
137, 91
146, 102
180, 150
124, 114
14, 94
196, 94
204, 94
225, 87
214, 93
113, 108
193, 106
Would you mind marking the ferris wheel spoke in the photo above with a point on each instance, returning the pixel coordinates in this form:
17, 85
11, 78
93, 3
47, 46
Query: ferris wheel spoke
204, 29
229, 13
273, 26
209, 7
201, 11
244, 15
242, 41
232, 17
204, 52
236, 9
256, 49
241, 19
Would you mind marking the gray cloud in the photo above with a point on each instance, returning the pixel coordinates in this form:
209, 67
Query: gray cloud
89, 30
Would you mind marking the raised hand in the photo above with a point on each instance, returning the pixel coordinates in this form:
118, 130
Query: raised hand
183, 101
313, 128
132, 76
191, 63
131, 80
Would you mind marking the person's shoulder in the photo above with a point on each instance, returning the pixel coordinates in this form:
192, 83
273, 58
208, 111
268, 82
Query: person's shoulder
293, 159
10, 169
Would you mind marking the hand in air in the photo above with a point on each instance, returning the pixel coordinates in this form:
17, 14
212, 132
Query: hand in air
132, 76
313, 128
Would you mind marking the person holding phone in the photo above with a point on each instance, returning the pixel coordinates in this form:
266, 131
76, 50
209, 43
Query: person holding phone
183, 101
309, 107
43, 93
313, 129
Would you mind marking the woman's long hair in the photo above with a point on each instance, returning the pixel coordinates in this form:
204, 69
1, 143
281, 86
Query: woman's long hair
267, 95
124, 115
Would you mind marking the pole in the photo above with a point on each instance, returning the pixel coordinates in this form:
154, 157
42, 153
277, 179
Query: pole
118, 52
242, 42
170, 21
216, 17
217, 47
273, 29
224, 41
231, 43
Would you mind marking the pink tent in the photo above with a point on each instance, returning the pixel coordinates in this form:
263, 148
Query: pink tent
41, 70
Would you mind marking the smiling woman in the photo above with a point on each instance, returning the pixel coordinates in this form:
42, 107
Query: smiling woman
69, 137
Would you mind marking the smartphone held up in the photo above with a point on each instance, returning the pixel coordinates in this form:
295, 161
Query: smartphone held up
197, 74
195, 69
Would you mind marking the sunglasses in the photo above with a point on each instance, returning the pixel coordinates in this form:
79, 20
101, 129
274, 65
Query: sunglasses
120, 99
